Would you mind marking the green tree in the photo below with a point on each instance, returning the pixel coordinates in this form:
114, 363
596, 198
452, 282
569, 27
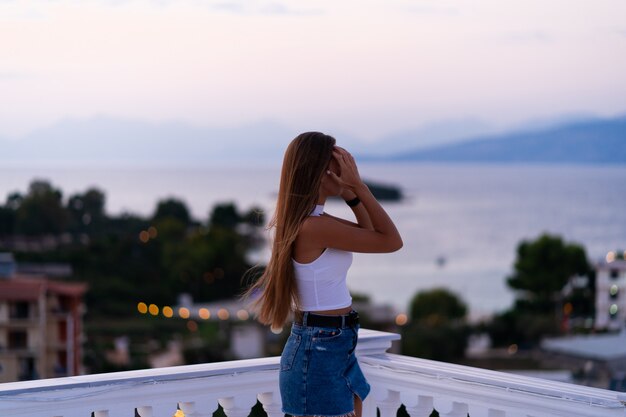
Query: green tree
8, 214
131, 259
437, 328
172, 208
86, 211
207, 265
542, 269
522, 328
7, 221
254, 217
14, 200
439, 303
225, 215
41, 211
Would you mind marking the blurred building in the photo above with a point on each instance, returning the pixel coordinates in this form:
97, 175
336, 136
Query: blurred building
611, 293
40, 324
596, 360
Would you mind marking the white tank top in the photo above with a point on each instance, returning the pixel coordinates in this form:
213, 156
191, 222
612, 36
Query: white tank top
322, 283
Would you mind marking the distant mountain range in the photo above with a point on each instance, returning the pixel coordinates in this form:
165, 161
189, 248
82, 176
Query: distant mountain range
114, 141
109, 141
589, 142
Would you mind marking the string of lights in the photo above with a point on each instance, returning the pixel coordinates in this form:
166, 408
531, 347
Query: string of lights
203, 313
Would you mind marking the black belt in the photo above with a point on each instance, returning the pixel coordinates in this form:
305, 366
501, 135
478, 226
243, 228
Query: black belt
319, 320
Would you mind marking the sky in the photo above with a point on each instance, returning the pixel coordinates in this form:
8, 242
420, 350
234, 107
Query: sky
365, 67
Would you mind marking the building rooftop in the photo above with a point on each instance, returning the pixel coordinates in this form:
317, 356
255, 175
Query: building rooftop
613, 264
603, 347
24, 288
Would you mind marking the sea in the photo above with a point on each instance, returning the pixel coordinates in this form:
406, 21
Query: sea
461, 223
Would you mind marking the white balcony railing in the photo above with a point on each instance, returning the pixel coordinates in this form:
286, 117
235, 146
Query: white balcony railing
421, 385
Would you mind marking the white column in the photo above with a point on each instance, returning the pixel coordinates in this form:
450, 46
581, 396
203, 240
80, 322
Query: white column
450, 408
417, 405
145, 411
482, 411
189, 408
389, 404
373, 342
369, 406
239, 406
271, 403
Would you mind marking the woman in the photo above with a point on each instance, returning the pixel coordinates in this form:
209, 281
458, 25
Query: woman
306, 275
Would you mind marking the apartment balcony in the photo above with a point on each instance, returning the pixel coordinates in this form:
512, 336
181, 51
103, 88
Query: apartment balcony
421, 385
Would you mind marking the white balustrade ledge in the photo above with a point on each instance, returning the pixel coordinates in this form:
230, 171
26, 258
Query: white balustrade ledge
421, 385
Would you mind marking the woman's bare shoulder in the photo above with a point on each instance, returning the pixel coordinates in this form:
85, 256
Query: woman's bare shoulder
340, 220
318, 225
313, 223
331, 232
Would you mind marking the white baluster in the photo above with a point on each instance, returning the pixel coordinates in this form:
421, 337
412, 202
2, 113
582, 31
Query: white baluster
369, 406
65, 411
417, 405
271, 404
237, 406
198, 405
100, 413
484, 411
189, 408
163, 408
389, 406
119, 409
530, 413
449, 408
145, 411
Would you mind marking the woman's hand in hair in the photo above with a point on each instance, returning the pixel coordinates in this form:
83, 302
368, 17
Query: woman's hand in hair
347, 194
348, 172
376, 232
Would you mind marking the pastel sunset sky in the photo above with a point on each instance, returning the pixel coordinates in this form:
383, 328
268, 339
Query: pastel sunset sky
362, 66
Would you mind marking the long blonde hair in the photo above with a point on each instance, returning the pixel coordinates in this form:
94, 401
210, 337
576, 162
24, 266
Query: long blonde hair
304, 165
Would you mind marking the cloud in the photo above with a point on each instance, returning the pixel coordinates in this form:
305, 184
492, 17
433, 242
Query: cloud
242, 7
12, 11
280, 8
526, 37
271, 8
231, 6
433, 10
125, 2
14, 75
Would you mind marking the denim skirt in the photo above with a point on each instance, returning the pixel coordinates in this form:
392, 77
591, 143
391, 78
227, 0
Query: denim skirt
319, 373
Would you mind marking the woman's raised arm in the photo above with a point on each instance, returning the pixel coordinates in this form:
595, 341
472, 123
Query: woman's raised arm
327, 231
